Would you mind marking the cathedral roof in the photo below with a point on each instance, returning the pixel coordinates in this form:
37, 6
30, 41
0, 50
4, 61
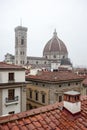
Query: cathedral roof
55, 45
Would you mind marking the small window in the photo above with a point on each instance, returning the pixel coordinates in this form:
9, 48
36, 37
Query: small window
43, 98
76, 83
60, 98
54, 56
69, 84
21, 62
30, 93
36, 95
22, 41
63, 57
43, 85
11, 94
46, 57
36, 83
27, 62
36, 62
12, 112
11, 76
60, 85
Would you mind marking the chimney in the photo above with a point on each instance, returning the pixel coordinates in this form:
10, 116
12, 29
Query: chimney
72, 102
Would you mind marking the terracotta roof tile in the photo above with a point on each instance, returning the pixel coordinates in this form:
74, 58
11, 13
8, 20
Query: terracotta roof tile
47, 118
6, 66
59, 76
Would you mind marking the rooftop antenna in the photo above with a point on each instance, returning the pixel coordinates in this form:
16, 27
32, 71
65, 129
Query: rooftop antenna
20, 21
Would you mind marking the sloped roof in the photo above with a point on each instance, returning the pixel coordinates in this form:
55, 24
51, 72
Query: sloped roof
59, 76
51, 117
85, 81
5, 66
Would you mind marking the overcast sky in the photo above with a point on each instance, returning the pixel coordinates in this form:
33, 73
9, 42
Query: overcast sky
69, 17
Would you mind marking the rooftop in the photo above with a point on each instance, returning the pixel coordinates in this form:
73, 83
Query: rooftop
59, 76
5, 66
51, 117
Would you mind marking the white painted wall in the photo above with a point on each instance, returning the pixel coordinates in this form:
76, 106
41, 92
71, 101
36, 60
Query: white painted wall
19, 76
13, 107
73, 107
34, 71
54, 66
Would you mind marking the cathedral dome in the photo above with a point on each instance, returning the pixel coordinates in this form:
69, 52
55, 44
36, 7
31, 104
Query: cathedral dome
55, 46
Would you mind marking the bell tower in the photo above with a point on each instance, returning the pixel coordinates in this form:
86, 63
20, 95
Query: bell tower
20, 45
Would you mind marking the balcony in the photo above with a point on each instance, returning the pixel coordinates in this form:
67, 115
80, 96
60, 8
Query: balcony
11, 101
11, 81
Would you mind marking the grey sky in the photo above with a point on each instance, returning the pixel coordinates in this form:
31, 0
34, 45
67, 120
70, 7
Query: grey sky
69, 17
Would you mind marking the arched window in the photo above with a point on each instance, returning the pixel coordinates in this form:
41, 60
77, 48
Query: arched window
22, 41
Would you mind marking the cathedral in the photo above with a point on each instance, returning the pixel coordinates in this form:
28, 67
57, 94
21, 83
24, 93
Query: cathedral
55, 53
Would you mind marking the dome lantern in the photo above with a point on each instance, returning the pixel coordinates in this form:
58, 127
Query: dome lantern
55, 33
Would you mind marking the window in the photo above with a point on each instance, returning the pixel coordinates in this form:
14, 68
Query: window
27, 62
54, 56
36, 95
76, 83
69, 84
36, 62
60, 98
43, 98
60, 85
30, 93
36, 83
11, 94
46, 57
11, 76
12, 112
22, 41
20, 52
63, 57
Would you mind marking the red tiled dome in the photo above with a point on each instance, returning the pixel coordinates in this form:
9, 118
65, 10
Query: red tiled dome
55, 45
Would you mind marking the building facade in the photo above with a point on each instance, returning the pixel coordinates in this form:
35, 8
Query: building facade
54, 52
12, 89
49, 87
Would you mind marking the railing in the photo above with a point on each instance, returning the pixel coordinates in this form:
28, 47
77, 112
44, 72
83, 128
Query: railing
11, 81
7, 100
